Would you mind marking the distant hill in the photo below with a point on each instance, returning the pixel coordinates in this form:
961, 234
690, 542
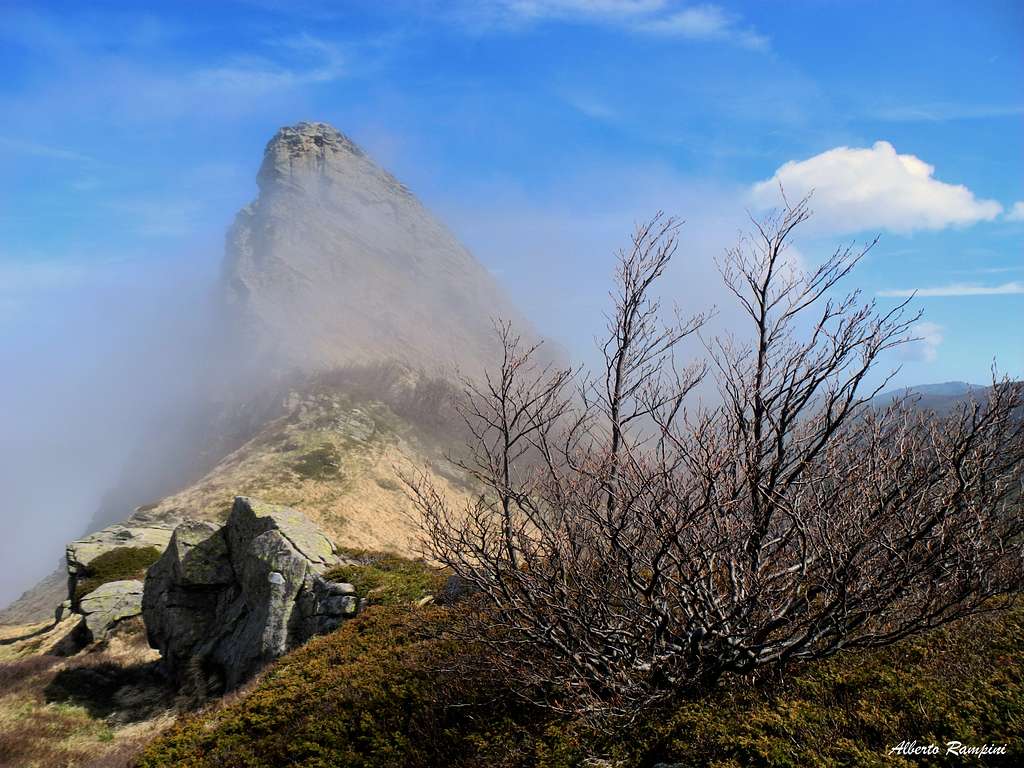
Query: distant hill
940, 398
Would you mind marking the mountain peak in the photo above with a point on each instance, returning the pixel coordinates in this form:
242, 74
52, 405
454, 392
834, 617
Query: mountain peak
336, 262
304, 152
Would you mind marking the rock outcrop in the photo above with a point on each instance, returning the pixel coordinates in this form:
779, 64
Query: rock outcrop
109, 604
336, 263
224, 600
104, 575
81, 554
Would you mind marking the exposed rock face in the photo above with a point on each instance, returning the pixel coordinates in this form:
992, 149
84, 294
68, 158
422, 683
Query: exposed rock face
81, 553
222, 601
108, 604
336, 262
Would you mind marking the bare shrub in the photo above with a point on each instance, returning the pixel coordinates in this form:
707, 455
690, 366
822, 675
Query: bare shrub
628, 546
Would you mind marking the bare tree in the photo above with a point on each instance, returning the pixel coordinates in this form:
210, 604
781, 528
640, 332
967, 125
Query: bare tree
626, 548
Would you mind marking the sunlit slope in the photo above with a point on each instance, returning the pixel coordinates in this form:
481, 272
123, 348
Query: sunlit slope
336, 456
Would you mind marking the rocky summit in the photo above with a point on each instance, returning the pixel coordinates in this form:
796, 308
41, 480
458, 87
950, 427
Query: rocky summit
223, 600
336, 262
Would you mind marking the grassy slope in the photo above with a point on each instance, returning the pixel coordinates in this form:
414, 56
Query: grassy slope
97, 708
337, 458
380, 692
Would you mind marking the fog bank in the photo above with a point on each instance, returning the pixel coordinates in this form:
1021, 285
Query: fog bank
95, 361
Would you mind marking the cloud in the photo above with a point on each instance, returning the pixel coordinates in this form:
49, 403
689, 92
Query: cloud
663, 18
157, 217
320, 62
944, 112
36, 149
857, 189
560, 9
593, 108
136, 70
705, 22
957, 289
925, 345
1016, 213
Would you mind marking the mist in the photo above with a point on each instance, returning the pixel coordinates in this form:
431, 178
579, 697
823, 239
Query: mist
96, 361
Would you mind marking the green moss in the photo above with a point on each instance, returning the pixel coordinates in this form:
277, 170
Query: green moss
359, 697
321, 463
115, 565
386, 690
387, 579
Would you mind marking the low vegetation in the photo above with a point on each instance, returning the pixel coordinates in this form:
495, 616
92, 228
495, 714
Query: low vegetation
385, 690
387, 579
115, 565
321, 463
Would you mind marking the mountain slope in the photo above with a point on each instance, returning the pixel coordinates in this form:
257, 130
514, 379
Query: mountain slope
336, 450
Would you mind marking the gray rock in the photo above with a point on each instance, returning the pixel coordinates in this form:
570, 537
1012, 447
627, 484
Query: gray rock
81, 553
221, 602
108, 604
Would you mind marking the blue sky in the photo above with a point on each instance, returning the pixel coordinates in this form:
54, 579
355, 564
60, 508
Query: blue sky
540, 130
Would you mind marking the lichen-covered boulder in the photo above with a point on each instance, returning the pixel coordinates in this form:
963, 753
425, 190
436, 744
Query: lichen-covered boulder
82, 553
109, 604
222, 601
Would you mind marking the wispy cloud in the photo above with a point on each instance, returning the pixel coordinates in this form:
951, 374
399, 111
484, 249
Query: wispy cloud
591, 107
989, 270
21, 147
866, 188
1016, 213
705, 22
131, 69
957, 289
946, 112
539, 9
157, 217
319, 62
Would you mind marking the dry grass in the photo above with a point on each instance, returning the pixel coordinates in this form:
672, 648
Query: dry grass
96, 708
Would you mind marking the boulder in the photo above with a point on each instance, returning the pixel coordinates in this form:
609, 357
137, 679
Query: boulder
223, 601
108, 604
81, 553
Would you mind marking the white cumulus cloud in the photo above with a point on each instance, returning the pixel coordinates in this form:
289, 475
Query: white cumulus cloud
859, 189
1016, 213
